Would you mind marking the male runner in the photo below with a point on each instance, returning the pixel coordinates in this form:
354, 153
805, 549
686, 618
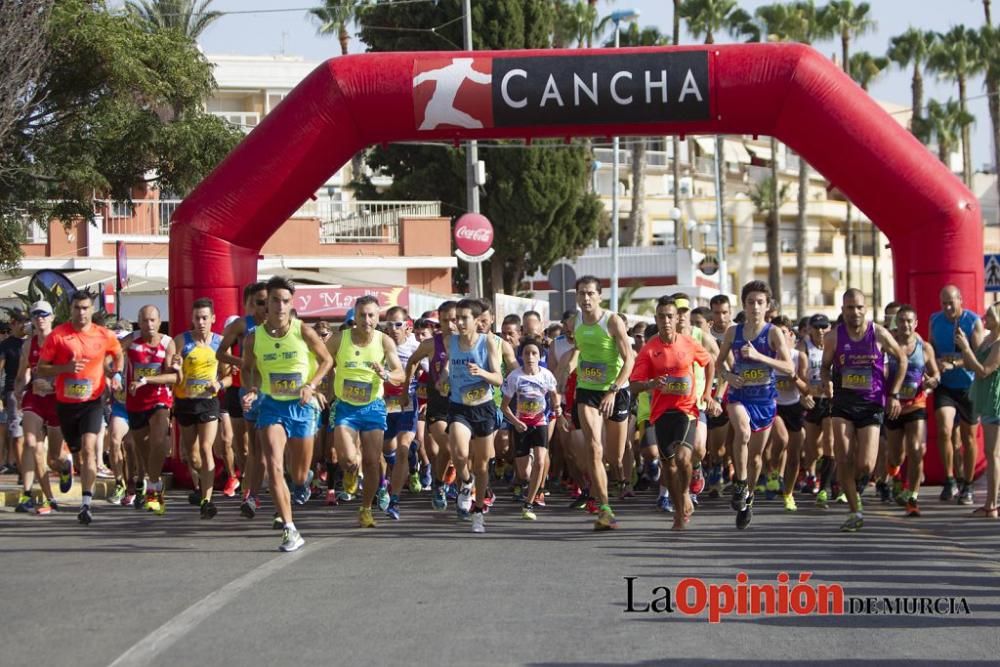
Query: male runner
401, 409
10, 358
720, 434
365, 359
854, 358
75, 353
787, 434
819, 422
951, 397
284, 361
602, 397
759, 350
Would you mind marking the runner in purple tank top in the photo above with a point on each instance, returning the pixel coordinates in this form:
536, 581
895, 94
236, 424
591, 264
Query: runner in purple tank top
752, 395
436, 413
853, 357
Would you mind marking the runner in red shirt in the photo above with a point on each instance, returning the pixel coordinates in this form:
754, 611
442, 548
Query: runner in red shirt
665, 366
75, 353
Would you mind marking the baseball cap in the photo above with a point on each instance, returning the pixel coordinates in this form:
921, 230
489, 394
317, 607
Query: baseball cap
230, 320
41, 307
819, 321
349, 316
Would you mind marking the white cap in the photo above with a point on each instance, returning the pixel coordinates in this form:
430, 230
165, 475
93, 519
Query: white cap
230, 320
41, 307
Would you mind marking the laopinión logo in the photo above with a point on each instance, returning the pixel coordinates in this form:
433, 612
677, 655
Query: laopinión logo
784, 597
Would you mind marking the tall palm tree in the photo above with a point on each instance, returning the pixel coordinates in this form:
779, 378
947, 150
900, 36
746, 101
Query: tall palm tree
767, 198
184, 16
986, 8
946, 122
989, 51
710, 17
334, 17
956, 56
675, 140
865, 68
911, 49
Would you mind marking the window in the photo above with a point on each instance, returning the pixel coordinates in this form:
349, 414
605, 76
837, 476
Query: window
664, 233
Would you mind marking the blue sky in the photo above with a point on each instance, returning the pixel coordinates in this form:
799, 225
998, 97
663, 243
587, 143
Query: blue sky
293, 33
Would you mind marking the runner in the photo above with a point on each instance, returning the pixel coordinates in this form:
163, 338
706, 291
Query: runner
787, 434
529, 388
75, 353
284, 362
401, 408
149, 401
759, 350
951, 398
602, 396
200, 378
117, 430
37, 403
472, 372
10, 358
665, 366
720, 436
365, 359
244, 431
700, 333
854, 357
819, 423
908, 432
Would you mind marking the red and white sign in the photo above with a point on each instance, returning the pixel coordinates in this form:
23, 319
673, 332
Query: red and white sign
317, 301
473, 234
452, 92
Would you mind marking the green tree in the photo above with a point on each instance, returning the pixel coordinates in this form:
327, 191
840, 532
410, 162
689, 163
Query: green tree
767, 197
911, 50
184, 16
989, 51
849, 20
535, 196
708, 18
114, 103
334, 17
945, 124
956, 56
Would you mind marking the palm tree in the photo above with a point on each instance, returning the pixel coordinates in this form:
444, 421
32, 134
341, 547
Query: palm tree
767, 198
849, 21
945, 122
956, 56
334, 17
710, 17
675, 140
986, 8
184, 16
989, 51
911, 49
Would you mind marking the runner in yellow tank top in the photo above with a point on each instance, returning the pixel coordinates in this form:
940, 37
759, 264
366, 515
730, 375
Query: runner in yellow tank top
365, 358
283, 363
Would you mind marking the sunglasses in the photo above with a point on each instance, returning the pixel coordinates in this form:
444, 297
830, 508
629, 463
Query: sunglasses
39, 313
396, 325
261, 303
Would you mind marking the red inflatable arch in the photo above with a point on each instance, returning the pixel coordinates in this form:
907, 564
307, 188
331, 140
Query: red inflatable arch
789, 91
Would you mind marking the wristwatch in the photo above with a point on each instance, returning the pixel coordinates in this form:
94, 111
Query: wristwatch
613, 389
895, 396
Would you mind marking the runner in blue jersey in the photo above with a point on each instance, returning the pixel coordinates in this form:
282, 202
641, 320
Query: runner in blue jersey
952, 405
401, 414
759, 350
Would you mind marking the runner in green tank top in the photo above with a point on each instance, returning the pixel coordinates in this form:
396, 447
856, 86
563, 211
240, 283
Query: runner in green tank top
602, 396
502, 444
284, 362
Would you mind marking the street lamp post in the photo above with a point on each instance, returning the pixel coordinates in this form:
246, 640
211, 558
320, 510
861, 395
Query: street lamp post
617, 17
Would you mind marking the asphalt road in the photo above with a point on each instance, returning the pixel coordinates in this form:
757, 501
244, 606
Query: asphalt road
134, 589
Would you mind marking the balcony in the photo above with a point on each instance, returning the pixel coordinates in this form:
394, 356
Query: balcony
366, 221
242, 120
140, 218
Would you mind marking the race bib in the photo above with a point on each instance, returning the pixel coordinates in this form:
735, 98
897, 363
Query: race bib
785, 384
77, 389
909, 391
286, 384
146, 370
529, 408
676, 386
197, 388
394, 403
476, 394
755, 376
857, 379
422, 392
594, 373
358, 392
119, 396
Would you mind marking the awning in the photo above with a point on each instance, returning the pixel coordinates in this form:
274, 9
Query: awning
706, 144
761, 152
735, 152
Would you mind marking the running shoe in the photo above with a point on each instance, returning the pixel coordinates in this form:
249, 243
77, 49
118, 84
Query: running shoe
966, 497
790, 505
745, 516
116, 496
247, 509
139, 502
664, 504
465, 497
539, 500
478, 522
382, 497
194, 498
897, 490
392, 511
85, 516
628, 491
344, 496
439, 502
912, 508
300, 495
948, 491
277, 523
579, 503
853, 523
761, 486
426, 480
519, 491
654, 471
365, 518
25, 505
489, 499
528, 513
715, 490
232, 484
714, 476
152, 502
44, 508
140, 487
161, 504
331, 497
208, 509
694, 499
822, 499
291, 540
104, 472
902, 497
842, 498
740, 495
592, 507
606, 520
415, 484
883, 491
772, 487
128, 499
54, 504
351, 482
66, 477
450, 474
697, 481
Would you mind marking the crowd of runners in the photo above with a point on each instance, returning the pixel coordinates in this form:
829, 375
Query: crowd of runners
728, 400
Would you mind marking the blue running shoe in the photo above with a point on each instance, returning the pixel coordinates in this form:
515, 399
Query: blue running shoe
440, 501
451, 492
66, 477
664, 504
382, 498
393, 510
463, 515
425, 477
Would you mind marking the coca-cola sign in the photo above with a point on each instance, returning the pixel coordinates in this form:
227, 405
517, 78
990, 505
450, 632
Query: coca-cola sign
473, 234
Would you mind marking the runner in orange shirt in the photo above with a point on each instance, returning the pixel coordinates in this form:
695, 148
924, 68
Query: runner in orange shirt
75, 353
665, 366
